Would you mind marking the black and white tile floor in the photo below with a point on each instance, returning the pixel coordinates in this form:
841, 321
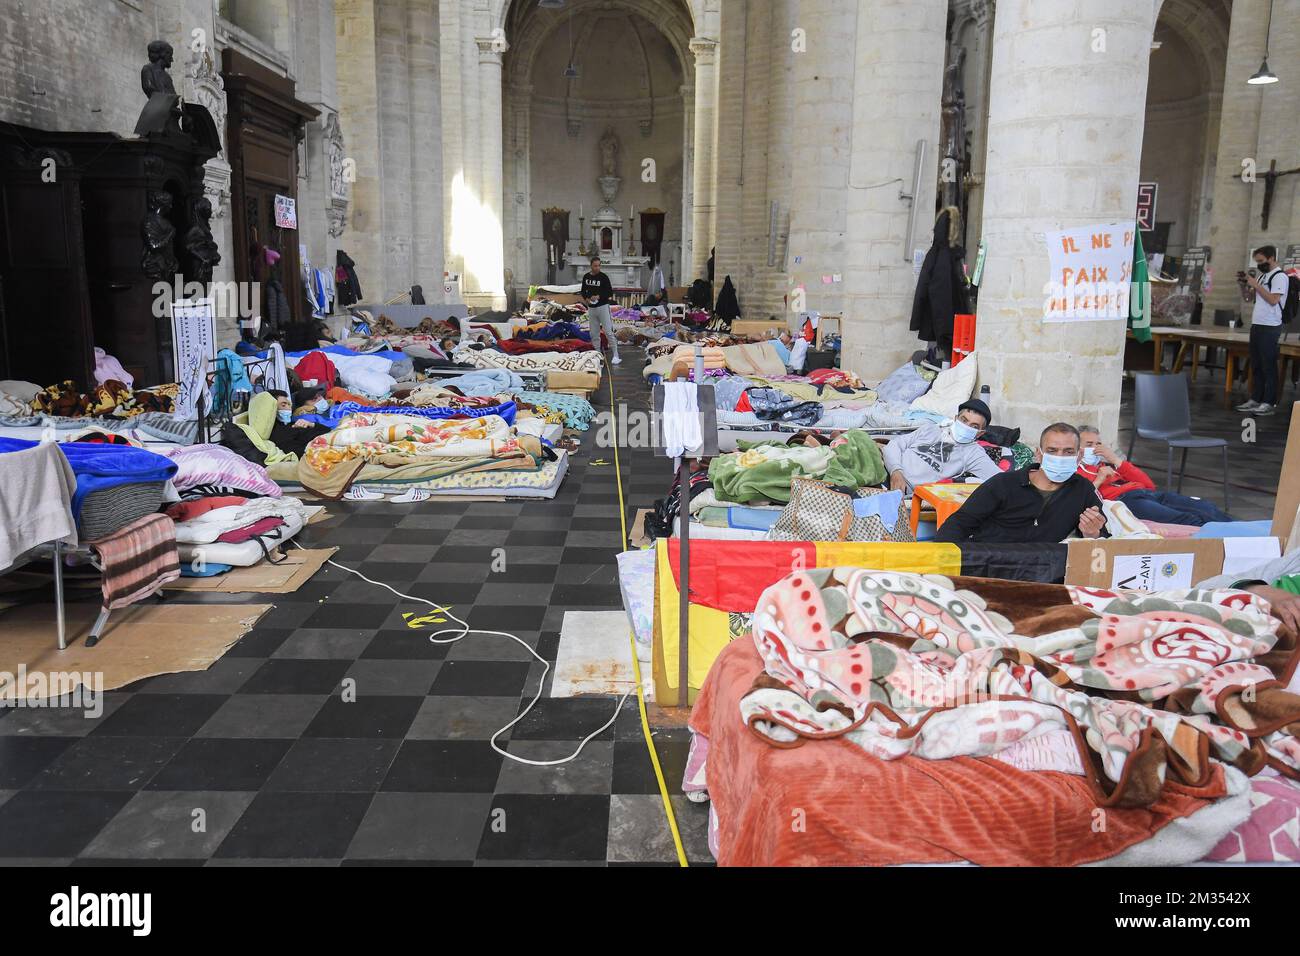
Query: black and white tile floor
284, 770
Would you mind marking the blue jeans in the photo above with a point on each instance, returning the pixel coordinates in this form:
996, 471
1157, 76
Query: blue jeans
1168, 507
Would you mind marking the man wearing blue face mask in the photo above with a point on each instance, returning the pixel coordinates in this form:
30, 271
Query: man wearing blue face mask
1046, 502
938, 452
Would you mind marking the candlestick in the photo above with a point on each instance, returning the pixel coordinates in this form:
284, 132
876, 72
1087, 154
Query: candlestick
582, 239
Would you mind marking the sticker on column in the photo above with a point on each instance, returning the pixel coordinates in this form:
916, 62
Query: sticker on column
918, 260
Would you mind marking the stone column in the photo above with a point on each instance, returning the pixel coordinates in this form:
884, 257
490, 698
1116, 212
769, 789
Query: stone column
426, 156
1238, 137
488, 260
1067, 106
704, 180
898, 83
683, 261
358, 97
521, 218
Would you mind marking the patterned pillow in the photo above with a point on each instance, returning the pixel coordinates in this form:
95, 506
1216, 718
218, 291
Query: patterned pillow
164, 427
217, 465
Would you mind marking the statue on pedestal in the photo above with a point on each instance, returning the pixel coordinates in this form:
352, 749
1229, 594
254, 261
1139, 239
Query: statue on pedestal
157, 85
202, 248
158, 260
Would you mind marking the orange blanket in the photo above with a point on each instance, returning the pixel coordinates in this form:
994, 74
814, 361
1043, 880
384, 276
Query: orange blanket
831, 804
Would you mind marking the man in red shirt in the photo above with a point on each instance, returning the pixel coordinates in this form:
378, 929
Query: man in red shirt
1119, 480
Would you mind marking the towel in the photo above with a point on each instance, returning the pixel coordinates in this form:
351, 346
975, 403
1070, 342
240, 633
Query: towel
138, 560
36, 488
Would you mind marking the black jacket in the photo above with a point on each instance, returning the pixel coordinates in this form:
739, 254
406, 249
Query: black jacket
1009, 508
598, 285
941, 286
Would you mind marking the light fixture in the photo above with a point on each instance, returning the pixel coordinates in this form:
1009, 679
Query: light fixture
1264, 75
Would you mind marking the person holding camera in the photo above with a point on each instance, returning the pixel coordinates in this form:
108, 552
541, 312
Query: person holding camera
1269, 283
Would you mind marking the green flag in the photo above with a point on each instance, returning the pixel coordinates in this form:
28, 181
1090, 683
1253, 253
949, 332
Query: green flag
1139, 298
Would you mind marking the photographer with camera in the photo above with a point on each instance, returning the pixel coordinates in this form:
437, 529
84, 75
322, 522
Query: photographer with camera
1270, 284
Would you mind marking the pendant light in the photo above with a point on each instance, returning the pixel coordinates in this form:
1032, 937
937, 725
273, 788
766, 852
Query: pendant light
1264, 75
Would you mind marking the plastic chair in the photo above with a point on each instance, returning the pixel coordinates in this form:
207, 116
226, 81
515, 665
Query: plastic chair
1162, 412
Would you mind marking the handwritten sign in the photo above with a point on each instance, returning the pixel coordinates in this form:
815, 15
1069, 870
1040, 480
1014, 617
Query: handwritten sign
286, 212
1091, 273
1146, 207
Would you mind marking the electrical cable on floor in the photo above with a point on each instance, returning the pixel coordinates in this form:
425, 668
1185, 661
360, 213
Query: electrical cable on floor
465, 629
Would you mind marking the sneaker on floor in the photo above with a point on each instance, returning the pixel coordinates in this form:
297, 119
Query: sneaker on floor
1264, 409
616, 361
1248, 406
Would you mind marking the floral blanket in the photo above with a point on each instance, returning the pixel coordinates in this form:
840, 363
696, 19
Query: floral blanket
1152, 687
372, 436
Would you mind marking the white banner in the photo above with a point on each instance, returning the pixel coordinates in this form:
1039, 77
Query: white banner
1152, 572
194, 337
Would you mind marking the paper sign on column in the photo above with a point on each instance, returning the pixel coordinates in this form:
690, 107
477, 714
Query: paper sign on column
1091, 271
1152, 572
1241, 555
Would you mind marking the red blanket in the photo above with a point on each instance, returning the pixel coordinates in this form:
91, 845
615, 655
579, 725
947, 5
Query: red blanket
829, 803
527, 346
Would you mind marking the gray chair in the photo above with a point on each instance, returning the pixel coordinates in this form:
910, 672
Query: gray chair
1161, 412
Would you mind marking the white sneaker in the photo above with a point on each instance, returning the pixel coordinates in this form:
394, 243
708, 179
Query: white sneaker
1264, 409
1248, 406
616, 361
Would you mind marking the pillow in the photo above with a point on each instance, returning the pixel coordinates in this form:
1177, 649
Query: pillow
951, 387
216, 465
904, 384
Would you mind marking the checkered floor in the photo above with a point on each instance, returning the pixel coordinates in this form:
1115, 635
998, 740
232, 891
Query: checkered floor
258, 759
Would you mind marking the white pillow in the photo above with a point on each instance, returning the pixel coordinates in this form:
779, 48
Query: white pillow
951, 387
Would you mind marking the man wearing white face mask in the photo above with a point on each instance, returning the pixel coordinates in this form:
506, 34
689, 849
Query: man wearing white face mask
937, 452
1046, 502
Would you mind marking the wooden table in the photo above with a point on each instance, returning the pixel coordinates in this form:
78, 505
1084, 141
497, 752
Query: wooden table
945, 497
1235, 343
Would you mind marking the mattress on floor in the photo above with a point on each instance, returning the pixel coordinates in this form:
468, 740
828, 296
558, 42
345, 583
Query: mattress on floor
241, 555
699, 530
542, 482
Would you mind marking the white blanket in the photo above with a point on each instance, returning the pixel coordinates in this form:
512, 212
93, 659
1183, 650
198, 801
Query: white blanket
211, 525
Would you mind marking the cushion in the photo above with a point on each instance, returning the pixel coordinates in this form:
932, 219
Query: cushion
167, 428
904, 384
951, 387
215, 465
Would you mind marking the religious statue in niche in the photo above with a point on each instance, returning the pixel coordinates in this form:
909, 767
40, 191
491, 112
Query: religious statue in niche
199, 243
609, 152
652, 234
157, 85
158, 260
555, 233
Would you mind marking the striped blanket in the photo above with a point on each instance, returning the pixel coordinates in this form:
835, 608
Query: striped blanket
138, 560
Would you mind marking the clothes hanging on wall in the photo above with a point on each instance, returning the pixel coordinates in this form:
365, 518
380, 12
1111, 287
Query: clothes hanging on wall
345, 275
941, 287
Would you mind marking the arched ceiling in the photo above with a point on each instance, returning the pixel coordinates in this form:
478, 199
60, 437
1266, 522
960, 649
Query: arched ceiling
618, 56
1193, 53
533, 32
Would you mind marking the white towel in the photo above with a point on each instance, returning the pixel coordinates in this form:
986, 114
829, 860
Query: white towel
36, 487
681, 421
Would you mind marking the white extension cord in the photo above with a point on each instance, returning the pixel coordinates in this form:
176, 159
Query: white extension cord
465, 629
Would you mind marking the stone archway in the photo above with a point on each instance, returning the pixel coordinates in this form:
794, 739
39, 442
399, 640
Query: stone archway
551, 122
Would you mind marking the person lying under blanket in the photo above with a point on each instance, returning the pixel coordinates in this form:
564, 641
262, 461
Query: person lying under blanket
267, 433
1045, 502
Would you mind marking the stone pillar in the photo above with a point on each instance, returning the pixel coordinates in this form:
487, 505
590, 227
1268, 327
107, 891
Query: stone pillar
358, 93
898, 83
426, 155
703, 158
1066, 113
453, 157
682, 264
486, 266
521, 219
1238, 137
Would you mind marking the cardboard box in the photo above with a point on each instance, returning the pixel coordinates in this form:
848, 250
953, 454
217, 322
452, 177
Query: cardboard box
1288, 483
1146, 564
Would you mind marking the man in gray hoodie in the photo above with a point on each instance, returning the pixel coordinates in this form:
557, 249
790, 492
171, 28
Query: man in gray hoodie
935, 452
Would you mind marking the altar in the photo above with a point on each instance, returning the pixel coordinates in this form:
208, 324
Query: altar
625, 272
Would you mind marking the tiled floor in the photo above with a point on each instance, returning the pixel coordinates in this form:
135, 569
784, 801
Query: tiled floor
259, 758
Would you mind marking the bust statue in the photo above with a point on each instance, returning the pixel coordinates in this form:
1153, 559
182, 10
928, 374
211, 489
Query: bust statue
200, 244
609, 152
157, 259
154, 77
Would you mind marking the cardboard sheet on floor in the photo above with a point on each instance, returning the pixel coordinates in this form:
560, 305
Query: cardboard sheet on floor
264, 577
140, 641
595, 656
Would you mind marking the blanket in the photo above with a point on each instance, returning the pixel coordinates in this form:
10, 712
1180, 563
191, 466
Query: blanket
757, 358
1154, 687
370, 436
762, 470
589, 361
137, 560
833, 804
99, 467
36, 489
